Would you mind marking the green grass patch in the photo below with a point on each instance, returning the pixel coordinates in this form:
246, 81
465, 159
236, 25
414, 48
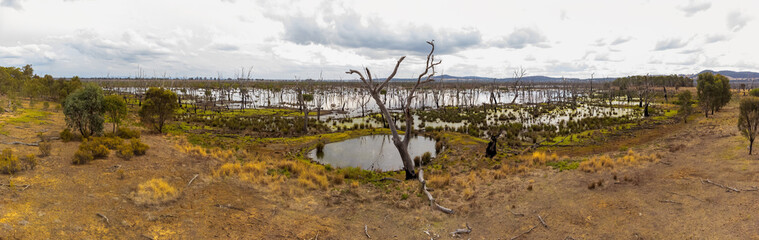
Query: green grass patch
564, 165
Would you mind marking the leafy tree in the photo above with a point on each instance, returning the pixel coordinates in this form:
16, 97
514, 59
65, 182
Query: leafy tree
685, 99
754, 92
115, 110
748, 120
84, 110
158, 107
713, 92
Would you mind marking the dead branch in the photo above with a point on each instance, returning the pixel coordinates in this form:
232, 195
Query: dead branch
429, 195
754, 188
22, 143
466, 230
542, 221
104, 217
193, 179
366, 231
521, 234
229, 206
516, 214
670, 201
687, 195
25, 187
728, 188
388, 178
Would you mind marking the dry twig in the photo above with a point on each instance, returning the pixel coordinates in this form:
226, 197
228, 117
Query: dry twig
728, 188
366, 231
104, 217
462, 230
193, 179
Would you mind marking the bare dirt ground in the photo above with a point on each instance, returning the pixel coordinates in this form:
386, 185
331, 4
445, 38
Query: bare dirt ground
658, 200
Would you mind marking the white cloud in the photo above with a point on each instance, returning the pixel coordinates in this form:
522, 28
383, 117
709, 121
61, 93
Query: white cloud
15, 4
282, 39
736, 20
694, 7
672, 43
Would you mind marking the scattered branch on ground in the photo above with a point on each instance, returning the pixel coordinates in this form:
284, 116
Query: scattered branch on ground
105, 218
193, 179
522, 234
728, 188
229, 206
429, 195
466, 230
542, 221
670, 201
366, 231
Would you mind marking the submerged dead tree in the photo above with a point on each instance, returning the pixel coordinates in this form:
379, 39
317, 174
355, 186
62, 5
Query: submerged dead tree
376, 88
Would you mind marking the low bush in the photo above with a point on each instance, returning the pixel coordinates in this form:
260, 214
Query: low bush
127, 133
67, 136
125, 151
155, 191
138, 147
45, 148
30, 160
9, 164
82, 157
426, 158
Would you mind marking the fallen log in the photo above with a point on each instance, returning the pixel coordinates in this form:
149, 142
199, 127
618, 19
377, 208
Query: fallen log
429, 195
466, 230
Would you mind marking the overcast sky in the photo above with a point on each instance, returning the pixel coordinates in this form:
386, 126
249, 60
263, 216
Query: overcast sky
301, 39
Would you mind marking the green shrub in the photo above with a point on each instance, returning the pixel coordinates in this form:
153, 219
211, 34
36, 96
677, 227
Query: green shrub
100, 151
30, 160
138, 147
8, 162
110, 142
320, 147
66, 135
127, 133
754, 92
45, 148
125, 151
82, 157
426, 158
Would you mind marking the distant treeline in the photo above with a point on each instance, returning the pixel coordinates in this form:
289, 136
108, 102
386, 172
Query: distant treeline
15, 82
654, 81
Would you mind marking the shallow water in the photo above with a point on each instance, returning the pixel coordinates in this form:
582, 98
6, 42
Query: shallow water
374, 152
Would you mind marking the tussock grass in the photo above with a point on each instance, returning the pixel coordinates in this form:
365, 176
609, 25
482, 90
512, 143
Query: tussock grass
155, 191
599, 163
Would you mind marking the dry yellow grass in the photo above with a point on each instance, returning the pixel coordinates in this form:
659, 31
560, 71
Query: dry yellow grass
155, 191
631, 158
539, 158
439, 180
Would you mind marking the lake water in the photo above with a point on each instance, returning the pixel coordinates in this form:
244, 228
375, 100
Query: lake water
374, 152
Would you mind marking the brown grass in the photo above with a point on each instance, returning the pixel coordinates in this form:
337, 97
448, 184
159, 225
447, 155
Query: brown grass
154, 191
599, 163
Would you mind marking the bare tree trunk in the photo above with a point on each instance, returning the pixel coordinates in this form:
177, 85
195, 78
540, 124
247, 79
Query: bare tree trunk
376, 88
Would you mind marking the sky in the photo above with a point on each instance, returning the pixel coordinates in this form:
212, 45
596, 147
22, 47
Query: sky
324, 39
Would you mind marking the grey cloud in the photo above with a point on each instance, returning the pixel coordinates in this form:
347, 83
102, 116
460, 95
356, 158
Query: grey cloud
667, 44
346, 30
690, 51
716, 38
567, 67
621, 40
15, 4
563, 15
736, 21
523, 37
224, 47
131, 48
694, 7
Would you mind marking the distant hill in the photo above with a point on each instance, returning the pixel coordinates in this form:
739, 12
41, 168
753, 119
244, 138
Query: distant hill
734, 74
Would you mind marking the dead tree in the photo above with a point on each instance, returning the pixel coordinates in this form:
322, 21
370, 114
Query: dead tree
518, 74
375, 89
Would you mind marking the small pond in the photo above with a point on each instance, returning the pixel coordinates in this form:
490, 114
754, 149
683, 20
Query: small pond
374, 152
